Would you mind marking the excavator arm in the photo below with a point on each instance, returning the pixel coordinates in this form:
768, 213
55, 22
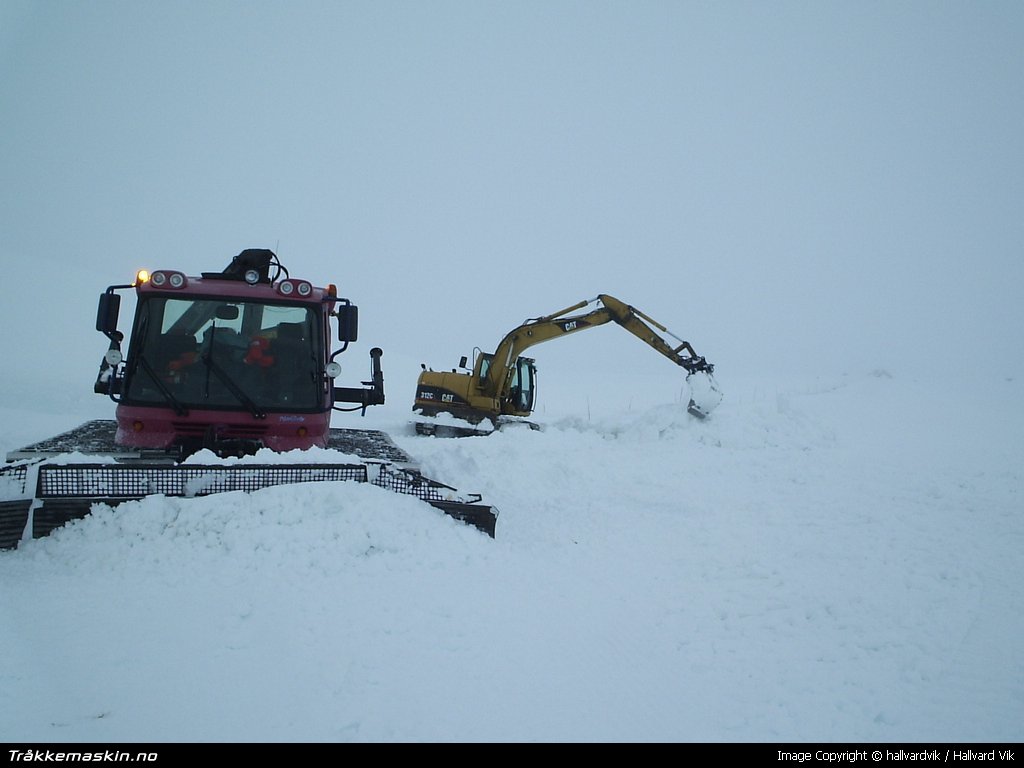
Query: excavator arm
498, 380
639, 324
538, 330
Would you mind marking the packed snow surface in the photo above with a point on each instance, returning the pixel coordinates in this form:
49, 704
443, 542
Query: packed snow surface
832, 560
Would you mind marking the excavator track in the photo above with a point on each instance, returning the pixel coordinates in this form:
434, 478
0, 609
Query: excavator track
43, 492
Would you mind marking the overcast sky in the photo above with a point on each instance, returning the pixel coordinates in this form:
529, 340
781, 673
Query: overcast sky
824, 185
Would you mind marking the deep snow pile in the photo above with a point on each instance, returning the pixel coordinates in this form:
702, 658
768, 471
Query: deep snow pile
824, 561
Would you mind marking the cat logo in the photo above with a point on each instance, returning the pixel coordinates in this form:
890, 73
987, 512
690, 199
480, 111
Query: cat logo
570, 326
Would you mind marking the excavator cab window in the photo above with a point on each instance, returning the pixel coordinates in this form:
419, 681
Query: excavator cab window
485, 367
523, 389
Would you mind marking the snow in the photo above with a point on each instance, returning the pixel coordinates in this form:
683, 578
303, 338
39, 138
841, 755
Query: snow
829, 560
267, 456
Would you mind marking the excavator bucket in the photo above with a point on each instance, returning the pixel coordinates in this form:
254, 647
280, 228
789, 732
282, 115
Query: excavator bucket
704, 394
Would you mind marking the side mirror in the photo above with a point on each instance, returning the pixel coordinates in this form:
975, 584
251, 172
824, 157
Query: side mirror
106, 313
348, 323
462, 361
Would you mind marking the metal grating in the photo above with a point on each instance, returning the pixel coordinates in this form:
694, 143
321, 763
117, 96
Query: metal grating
413, 483
68, 491
12, 478
136, 481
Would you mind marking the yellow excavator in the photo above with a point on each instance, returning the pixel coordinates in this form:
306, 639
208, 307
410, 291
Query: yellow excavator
500, 389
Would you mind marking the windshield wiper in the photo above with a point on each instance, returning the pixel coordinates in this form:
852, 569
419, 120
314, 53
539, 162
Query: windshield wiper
179, 409
235, 390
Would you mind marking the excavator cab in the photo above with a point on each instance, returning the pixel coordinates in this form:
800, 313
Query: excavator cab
522, 384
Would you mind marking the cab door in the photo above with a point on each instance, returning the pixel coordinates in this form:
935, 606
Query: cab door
523, 390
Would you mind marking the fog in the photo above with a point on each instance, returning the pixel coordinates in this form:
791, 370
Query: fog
793, 187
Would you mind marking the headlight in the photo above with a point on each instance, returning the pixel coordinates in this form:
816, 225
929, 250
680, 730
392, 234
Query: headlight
167, 279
